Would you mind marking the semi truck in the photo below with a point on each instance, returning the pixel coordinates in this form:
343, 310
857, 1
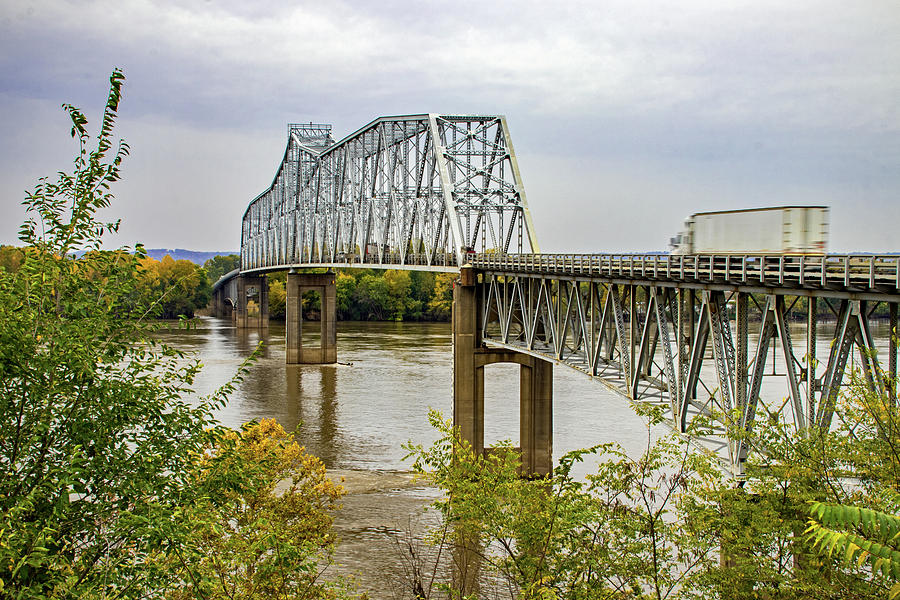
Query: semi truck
771, 230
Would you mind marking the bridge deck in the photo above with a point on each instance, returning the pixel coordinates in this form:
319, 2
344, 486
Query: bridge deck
856, 274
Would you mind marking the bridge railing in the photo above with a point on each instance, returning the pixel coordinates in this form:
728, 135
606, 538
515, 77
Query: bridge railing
868, 271
440, 261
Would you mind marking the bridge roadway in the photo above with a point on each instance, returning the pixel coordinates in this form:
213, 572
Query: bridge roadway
690, 333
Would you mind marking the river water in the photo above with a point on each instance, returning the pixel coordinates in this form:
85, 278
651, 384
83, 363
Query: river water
357, 415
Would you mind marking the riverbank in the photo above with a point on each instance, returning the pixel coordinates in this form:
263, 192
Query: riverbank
384, 514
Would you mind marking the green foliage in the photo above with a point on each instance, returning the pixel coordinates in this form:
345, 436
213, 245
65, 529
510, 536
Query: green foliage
262, 521
11, 258
668, 524
94, 434
373, 295
345, 287
441, 302
277, 299
176, 288
219, 265
113, 476
858, 535
616, 535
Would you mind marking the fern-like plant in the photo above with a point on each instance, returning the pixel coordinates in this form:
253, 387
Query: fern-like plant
858, 535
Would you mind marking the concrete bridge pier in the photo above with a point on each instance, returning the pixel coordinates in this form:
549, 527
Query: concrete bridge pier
220, 306
295, 351
246, 285
535, 384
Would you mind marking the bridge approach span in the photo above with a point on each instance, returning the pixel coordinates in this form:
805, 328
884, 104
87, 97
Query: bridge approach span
698, 335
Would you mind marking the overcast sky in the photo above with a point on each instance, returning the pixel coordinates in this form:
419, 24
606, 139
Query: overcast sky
626, 116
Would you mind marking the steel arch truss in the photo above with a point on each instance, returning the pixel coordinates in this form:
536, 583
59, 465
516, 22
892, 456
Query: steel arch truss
706, 356
422, 190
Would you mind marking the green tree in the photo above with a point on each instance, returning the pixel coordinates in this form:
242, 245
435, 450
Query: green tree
175, 288
858, 535
262, 523
11, 258
219, 265
95, 435
441, 302
372, 298
277, 299
107, 471
616, 535
345, 287
398, 284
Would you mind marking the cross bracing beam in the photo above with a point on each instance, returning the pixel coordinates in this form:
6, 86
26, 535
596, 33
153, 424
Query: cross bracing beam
424, 191
727, 354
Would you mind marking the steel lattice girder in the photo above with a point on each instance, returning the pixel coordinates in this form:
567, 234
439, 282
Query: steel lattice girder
699, 354
420, 190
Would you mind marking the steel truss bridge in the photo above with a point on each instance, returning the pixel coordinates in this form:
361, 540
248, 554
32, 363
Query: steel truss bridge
698, 334
416, 191
695, 334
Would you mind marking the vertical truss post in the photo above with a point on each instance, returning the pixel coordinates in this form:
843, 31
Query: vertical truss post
766, 332
723, 346
892, 350
632, 322
644, 353
624, 361
784, 334
698, 349
740, 367
682, 342
662, 325
868, 358
844, 334
811, 361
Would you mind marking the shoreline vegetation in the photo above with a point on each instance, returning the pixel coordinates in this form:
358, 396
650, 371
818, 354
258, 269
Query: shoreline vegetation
181, 288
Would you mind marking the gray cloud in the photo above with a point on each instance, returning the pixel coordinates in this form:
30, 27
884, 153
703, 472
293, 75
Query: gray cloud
634, 115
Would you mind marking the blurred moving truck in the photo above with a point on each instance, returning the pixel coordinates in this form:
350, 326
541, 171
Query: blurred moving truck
773, 230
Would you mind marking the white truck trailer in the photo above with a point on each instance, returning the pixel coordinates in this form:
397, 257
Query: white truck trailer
773, 230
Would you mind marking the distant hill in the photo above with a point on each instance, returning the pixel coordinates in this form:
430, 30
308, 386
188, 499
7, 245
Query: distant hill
192, 255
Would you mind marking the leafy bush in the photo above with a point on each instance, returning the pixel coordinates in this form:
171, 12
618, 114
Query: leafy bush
115, 480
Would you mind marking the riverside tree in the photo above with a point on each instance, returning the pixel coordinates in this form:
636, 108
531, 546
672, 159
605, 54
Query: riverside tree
115, 479
816, 515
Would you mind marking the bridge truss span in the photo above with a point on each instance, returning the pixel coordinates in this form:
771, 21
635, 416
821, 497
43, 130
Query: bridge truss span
730, 350
420, 190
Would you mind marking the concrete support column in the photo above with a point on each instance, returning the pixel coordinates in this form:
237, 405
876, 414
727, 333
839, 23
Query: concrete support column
295, 351
239, 315
468, 386
535, 385
246, 284
536, 417
215, 304
221, 311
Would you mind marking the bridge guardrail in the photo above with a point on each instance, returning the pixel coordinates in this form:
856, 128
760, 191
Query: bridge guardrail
869, 271
385, 260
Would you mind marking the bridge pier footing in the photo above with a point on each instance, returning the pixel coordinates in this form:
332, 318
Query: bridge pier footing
245, 284
535, 384
295, 351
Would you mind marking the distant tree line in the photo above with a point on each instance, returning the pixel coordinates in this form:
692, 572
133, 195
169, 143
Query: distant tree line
177, 287
376, 295
182, 288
